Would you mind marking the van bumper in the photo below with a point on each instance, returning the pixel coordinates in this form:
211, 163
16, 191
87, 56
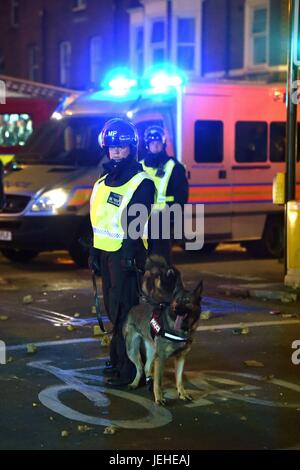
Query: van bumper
40, 233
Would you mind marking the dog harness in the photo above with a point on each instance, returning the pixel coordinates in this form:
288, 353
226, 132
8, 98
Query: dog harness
157, 326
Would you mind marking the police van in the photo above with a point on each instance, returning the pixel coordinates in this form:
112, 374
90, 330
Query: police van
230, 137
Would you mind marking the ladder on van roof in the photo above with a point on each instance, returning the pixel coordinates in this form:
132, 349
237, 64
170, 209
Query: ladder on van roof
30, 89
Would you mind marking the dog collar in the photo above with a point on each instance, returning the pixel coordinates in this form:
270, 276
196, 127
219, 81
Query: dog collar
157, 328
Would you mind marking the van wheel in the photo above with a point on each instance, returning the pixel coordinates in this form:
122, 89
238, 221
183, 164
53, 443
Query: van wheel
272, 243
19, 256
79, 249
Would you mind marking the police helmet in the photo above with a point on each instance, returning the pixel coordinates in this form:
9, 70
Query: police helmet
118, 133
154, 133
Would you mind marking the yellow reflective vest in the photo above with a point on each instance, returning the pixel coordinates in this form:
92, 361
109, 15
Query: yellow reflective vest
161, 183
107, 204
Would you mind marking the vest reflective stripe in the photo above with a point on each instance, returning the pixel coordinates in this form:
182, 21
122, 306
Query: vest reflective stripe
161, 183
106, 216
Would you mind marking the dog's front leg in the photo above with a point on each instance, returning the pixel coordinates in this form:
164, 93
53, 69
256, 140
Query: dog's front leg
159, 364
179, 367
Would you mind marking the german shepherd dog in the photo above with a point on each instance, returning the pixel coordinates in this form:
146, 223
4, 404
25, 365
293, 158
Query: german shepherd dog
162, 327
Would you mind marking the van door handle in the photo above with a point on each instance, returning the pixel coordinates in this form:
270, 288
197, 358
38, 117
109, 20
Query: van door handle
222, 174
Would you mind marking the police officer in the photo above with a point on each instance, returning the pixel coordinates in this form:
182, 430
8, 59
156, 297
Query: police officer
170, 181
114, 252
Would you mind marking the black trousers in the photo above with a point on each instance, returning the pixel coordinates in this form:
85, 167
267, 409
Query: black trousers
120, 294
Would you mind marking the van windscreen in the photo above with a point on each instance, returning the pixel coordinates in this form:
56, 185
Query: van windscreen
70, 141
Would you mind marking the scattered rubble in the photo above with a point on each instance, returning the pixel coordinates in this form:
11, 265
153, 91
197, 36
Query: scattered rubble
207, 315
84, 428
28, 299
105, 340
31, 349
97, 331
253, 363
110, 430
241, 331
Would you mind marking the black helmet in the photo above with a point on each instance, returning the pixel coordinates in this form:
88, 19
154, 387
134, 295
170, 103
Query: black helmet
118, 133
153, 133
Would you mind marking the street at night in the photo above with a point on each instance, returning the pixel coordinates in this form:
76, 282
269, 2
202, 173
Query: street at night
61, 386
150, 228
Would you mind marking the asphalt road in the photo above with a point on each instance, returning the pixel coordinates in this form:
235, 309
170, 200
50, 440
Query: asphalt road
61, 387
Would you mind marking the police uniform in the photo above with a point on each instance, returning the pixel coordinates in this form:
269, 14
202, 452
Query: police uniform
171, 185
123, 184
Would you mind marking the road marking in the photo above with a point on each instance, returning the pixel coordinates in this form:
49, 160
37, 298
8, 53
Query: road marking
47, 344
211, 386
228, 326
233, 276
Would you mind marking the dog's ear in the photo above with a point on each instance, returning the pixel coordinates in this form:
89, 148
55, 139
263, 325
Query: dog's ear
198, 291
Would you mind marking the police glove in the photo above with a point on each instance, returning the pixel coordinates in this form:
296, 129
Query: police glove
128, 265
95, 261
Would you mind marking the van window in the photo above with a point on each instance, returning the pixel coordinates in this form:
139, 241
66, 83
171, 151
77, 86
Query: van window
278, 141
251, 141
15, 129
70, 141
209, 141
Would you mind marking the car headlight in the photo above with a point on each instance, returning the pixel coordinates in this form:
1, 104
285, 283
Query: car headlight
50, 201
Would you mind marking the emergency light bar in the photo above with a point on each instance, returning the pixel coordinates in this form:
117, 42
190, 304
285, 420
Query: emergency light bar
163, 80
122, 83
159, 78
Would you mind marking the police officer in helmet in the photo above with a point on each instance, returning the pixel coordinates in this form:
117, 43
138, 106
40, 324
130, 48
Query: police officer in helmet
114, 253
170, 180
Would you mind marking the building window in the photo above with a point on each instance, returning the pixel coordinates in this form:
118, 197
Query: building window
251, 141
79, 5
186, 43
33, 63
15, 13
209, 141
139, 49
257, 32
158, 41
95, 59
65, 63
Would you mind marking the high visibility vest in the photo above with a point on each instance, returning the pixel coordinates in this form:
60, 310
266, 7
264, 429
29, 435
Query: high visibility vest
161, 183
107, 204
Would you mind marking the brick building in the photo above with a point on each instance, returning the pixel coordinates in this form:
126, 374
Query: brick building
74, 42
212, 38
63, 42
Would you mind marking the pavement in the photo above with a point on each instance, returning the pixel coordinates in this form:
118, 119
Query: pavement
242, 371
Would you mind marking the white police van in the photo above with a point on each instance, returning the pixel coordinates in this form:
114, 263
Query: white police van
230, 136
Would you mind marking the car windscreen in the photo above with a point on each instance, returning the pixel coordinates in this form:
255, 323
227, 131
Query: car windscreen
69, 141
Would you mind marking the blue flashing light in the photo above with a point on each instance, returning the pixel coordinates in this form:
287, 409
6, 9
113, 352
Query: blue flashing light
119, 81
122, 83
163, 77
163, 80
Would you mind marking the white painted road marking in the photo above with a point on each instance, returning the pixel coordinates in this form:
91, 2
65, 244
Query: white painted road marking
210, 386
226, 326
